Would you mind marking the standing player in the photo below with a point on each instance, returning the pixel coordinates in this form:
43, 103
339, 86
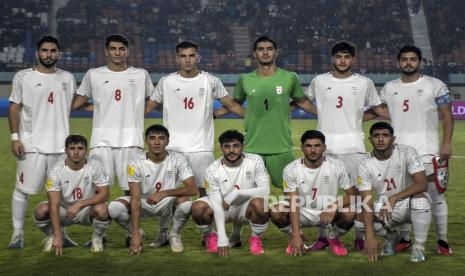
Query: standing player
268, 91
237, 186
341, 97
40, 104
397, 175
77, 193
155, 184
187, 97
312, 184
118, 92
414, 101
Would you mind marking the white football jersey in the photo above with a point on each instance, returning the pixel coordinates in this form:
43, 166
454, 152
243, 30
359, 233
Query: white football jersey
341, 104
153, 177
391, 176
45, 101
318, 186
188, 109
251, 173
119, 105
76, 185
414, 112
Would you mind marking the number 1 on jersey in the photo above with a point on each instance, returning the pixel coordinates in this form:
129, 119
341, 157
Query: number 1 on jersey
265, 102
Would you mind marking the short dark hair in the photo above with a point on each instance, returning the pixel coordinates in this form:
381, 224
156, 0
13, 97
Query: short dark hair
231, 135
264, 39
75, 139
408, 49
48, 39
186, 44
116, 38
381, 125
343, 47
156, 128
313, 134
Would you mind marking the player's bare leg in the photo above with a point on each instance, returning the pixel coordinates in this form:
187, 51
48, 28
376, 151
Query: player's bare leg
202, 215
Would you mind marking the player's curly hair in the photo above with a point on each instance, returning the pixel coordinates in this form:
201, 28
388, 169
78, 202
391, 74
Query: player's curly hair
231, 135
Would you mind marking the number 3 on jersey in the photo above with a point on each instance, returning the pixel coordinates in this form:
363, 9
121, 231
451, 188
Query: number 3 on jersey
339, 101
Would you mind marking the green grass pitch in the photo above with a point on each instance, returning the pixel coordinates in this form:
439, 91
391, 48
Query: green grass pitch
79, 261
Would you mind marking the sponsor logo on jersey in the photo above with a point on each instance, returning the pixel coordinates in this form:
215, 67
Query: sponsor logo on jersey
131, 170
49, 184
420, 92
132, 82
252, 91
395, 93
201, 91
279, 90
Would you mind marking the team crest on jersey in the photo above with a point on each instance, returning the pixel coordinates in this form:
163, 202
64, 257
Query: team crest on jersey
398, 169
326, 179
169, 173
354, 90
248, 175
201, 91
64, 85
132, 82
86, 180
279, 90
420, 92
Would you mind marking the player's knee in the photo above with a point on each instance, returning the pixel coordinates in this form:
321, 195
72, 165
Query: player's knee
115, 208
100, 211
199, 210
258, 206
180, 199
278, 217
41, 211
420, 203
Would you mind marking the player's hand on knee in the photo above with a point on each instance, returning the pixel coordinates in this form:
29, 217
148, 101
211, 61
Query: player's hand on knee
223, 251
155, 198
57, 245
327, 216
17, 148
72, 211
371, 249
225, 206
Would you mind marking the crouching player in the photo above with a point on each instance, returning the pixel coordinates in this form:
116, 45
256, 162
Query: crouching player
397, 175
154, 184
237, 186
312, 184
77, 191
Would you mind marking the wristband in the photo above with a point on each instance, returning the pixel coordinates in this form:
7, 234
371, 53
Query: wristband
14, 136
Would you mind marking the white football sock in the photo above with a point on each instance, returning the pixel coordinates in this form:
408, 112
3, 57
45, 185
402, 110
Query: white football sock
287, 229
439, 210
45, 226
100, 226
18, 209
421, 219
404, 230
205, 229
258, 229
164, 224
180, 217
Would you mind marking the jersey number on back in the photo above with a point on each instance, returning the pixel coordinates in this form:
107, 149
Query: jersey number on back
390, 184
188, 103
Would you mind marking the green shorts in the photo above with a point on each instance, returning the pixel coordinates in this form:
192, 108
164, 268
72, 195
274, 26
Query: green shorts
275, 164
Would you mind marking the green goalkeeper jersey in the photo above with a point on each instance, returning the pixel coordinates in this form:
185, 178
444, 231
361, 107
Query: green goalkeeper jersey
267, 119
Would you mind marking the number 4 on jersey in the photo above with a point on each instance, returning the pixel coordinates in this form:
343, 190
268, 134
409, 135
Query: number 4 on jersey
50, 98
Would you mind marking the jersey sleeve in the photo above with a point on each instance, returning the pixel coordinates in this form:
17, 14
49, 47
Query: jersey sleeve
184, 170
261, 174
414, 163
99, 176
218, 89
157, 95
343, 177
149, 89
53, 183
134, 172
365, 178
289, 178
372, 97
310, 92
239, 93
85, 89
297, 92
211, 183
17, 88
441, 93
382, 93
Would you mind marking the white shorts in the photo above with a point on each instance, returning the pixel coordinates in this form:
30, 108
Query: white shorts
163, 208
115, 162
199, 162
351, 162
308, 217
82, 217
428, 163
33, 169
235, 213
400, 213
